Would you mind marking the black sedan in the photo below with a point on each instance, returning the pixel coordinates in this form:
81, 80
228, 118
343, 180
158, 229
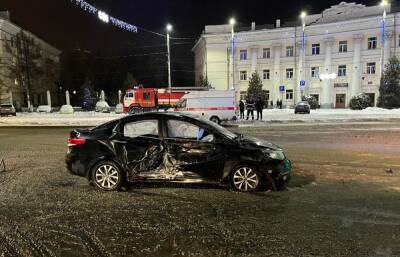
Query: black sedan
302, 107
174, 147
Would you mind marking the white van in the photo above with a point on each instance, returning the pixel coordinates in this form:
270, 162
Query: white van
213, 105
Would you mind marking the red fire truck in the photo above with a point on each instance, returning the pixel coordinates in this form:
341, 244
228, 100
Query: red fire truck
141, 99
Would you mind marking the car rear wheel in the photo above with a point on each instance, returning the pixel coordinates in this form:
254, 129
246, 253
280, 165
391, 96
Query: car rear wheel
215, 119
245, 179
107, 176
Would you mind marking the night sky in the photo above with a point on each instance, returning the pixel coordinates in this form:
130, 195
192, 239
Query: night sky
67, 27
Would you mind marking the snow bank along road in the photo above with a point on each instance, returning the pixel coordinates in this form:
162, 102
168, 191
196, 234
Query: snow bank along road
342, 201
270, 116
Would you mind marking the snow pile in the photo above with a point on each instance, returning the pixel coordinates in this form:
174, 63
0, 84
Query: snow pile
269, 115
57, 119
328, 115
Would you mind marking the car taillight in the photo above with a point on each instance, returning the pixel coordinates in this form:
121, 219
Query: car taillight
76, 141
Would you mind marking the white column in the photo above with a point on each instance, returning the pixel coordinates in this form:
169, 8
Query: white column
356, 77
119, 96
67, 100
48, 98
326, 98
254, 59
277, 72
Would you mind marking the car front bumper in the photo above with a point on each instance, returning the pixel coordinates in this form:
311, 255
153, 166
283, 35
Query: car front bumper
285, 175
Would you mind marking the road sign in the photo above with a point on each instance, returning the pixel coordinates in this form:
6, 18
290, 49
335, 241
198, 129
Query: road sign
302, 85
281, 89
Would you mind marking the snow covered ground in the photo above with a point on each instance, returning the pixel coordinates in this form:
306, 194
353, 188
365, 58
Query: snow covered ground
270, 116
56, 119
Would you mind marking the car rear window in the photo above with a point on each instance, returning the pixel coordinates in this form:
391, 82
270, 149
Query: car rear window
6, 105
145, 128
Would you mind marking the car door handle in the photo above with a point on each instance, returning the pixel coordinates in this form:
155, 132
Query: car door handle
120, 142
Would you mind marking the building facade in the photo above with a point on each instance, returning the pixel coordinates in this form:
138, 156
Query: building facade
10, 90
340, 55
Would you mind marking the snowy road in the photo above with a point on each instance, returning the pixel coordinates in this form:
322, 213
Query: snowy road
270, 116
341, 201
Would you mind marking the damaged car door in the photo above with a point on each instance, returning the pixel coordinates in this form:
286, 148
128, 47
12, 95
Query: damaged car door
140, 147
196, 149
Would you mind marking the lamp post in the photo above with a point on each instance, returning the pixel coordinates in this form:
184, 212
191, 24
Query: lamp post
232, 22
383, 4
169, 29
302, 55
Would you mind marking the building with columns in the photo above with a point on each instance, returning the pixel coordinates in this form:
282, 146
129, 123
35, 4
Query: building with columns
340, 56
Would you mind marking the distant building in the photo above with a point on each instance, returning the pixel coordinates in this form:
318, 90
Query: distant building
9, 87
343, 52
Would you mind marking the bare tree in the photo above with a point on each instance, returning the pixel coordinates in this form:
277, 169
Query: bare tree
25, 63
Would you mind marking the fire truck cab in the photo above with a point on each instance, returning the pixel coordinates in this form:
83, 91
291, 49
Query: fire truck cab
140, 99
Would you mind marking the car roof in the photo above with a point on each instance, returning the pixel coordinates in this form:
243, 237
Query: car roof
164, 114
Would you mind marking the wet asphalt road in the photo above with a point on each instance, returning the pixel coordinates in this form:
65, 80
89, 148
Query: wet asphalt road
343, 201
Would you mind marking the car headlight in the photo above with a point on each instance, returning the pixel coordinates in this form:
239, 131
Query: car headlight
276, 155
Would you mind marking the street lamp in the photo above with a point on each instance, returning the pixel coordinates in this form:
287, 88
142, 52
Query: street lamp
232, 22
302, 53
169, 29
383, 4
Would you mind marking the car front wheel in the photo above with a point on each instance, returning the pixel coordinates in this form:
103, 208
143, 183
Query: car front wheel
107, 176
245, 179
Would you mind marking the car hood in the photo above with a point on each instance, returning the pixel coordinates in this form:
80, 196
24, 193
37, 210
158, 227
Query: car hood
258, 143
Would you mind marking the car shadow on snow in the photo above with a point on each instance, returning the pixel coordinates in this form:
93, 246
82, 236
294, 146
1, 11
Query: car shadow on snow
174, 185
301, 180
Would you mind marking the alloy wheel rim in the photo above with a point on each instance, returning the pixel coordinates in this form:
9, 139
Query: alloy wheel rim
107, 176
245, 179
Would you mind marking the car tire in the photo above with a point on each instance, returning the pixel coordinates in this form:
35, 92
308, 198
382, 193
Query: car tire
215, 119
246, 178
107, 176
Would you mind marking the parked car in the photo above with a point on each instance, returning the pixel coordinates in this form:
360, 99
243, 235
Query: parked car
44, 108
302, 107
102, 106
174, 147
7, 110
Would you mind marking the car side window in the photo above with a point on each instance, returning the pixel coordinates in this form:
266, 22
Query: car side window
146, 128
185, 130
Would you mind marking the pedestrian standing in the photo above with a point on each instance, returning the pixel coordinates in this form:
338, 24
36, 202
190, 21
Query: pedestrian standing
259, 108
277, 104
250, 106
272, 104
241, 109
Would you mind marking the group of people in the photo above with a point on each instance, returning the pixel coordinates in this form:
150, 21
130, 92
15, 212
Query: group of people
252, 105
258, 105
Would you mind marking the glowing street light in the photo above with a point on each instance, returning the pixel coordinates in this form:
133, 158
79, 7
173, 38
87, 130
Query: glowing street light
169, 29
103, 16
